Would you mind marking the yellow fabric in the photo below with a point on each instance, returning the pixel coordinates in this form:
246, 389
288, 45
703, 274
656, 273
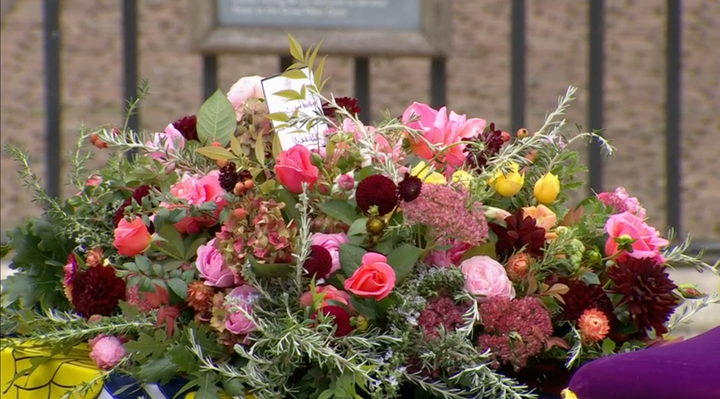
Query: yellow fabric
567, 394
54, 377
51, 379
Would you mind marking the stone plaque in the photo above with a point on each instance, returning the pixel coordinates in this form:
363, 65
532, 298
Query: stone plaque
351, 27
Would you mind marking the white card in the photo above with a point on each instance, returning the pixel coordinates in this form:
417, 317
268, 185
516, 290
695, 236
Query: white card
311, 105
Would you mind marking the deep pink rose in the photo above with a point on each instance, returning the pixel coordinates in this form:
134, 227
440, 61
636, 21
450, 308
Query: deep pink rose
294, 167
331, 294
331, 242
197, 191
449, 257
211, 266
106, 351
647, 242
373, 279
442, 130
243, 297
243, 90
131, 238
486, 278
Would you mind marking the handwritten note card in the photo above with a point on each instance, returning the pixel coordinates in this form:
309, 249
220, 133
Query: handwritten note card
311, 105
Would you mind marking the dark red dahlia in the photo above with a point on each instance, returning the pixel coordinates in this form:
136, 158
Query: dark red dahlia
187, 126
549, 376
646, 290
348, 103
137, 195
581, 297
490, 141
341, 321
229, 177
97, 291
519, 232
439, 312
409, 188
377, 190
319, 262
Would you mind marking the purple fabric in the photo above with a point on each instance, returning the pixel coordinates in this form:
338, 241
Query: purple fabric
687, 369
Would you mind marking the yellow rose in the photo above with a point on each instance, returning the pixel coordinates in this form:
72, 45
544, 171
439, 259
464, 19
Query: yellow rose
422, 171
508, 184
547, 189
462, 177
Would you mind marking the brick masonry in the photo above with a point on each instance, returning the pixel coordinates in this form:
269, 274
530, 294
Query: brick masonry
478, 82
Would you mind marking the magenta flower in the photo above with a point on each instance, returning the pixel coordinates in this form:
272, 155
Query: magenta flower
620, 201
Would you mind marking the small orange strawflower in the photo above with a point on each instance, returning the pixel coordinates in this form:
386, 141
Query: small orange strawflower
594, 325
199, 296
517, 266
94, 257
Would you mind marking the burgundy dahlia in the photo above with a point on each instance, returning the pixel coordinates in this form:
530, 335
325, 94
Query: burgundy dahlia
97, 291
409, 188
646, 290
348, 103
490, 141
377, 190
581, 297
187, 126
520, 232
341, 320
319, 262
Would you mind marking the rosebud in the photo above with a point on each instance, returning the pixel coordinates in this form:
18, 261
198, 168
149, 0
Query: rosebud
546, 189
690, 291
508, 184
346, 182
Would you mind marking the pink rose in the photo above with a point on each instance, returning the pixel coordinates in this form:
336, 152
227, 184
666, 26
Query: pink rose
331, 242
373, 279
382, 145
647, 242
169, 141
106, 351
241, 297
211, 266
331, 294
486, 278
197, 191
620, 201
243, 90
131, 238
294, 167
449, 257
442, 130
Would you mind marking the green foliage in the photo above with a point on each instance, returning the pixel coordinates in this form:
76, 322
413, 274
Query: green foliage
340, 210
216, 120
350, 258
403, 259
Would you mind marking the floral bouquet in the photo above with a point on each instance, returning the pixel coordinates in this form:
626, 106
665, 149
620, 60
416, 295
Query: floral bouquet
432, 255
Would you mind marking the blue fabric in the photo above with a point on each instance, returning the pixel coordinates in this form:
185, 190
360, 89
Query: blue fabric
116, 382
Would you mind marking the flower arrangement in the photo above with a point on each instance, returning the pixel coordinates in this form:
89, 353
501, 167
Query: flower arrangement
431, 254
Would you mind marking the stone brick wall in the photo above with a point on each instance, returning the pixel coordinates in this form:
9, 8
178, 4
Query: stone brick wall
478, 82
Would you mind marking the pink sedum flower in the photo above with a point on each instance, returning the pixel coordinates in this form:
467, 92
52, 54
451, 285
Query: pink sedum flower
106, 351
331, 242
620, 201
242, 297
486, 278
211, 266
647, 241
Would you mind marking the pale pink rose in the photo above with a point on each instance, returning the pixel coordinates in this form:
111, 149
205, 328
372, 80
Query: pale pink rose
170, 141
211, 266
486, 278
331, 294
450, 257
647, 242
106, 351
243, 297
331, 242
445, 130
197, 191
243, 90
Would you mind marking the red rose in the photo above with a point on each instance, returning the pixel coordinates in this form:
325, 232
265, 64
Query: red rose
131, 238
294, 167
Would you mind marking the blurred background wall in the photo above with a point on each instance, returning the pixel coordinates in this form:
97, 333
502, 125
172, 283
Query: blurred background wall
478, 83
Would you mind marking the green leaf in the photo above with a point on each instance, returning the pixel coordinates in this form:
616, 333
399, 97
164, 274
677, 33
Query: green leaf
295, 49
260, 150
235, 146
327, 394
313, 55
216, 120
350, 258
215, 153
179, 287
289, 200
160, 370
270, 270
144, 347
233, 387
289, 94
317, 75
278, 117
608, 346
294, 74
173, 240
340, 210
357, 227
276, 145
191, 250
207, 339
486, 249
590, 278
4, 250
186, 360
207, 388
403, 259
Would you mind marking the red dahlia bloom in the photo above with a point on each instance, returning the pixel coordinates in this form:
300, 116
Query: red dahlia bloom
519, 231
97, 291
187, 126
377, 190
341, 321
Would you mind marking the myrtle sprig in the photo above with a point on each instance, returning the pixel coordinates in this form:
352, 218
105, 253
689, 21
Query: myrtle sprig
690, 307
